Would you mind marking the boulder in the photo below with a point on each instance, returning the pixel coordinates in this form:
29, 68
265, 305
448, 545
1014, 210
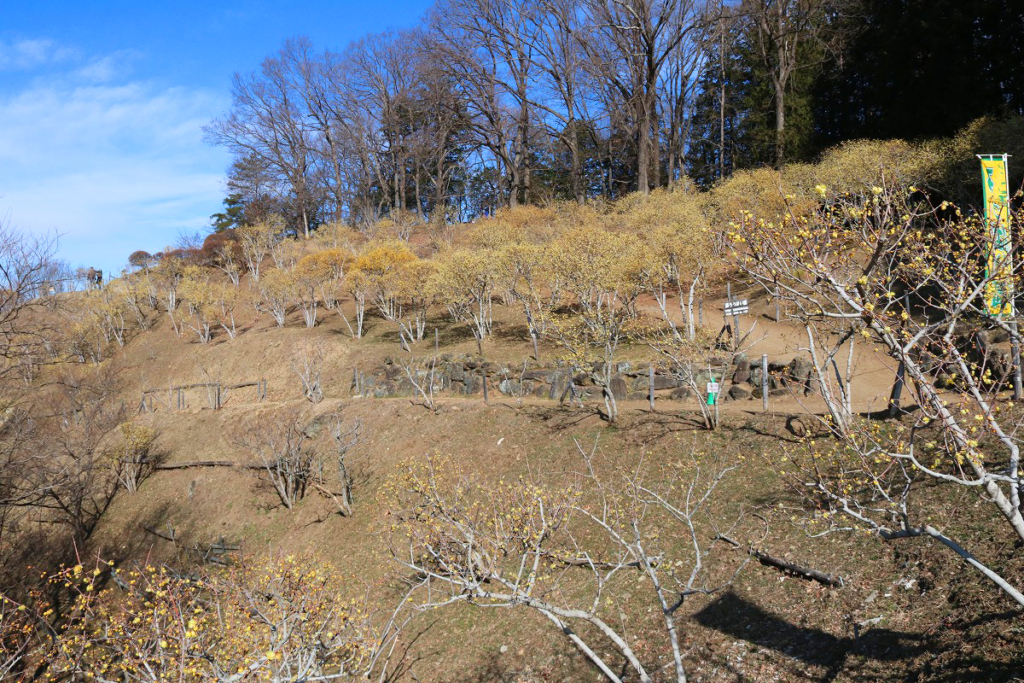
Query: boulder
665, 382
799, 370
739, 392
680, 393
509, 387
742, 373
619, 388
998, 335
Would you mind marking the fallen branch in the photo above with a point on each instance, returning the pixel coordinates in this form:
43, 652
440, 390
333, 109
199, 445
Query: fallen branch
801, 572
195, 463
158, 534
342, 510
211, 553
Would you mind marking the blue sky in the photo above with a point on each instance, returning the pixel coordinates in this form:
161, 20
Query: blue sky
102, 105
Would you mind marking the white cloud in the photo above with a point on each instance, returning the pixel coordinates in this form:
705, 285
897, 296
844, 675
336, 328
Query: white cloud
106, 68
112, 164
32, 53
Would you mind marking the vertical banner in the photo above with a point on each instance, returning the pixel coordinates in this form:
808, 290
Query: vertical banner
999, 267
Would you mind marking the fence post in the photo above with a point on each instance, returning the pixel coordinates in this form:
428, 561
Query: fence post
764, 382
700, 312
1015, 352
901, 370
735, 318
218, 397
483, 376
650, 384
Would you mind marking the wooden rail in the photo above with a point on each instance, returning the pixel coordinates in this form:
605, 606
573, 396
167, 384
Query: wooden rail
217, 394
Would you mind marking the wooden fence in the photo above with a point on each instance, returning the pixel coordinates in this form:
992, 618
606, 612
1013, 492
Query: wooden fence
216, 394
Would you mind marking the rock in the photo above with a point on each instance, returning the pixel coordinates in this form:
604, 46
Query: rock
456, 372
998, 336
799, 370
509, 387
665, 382
680, 393
472, 385
742, 373
559, 381
618, 388
796, 427
739, 392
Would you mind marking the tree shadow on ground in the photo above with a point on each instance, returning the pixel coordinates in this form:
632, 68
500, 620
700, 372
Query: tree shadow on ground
853, 657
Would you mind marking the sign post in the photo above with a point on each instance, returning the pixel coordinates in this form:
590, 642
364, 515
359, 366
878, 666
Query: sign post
999, 292
733, 307
713, 389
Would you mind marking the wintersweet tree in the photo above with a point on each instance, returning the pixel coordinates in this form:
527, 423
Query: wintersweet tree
388, 271
679, 247
167, 278
465, 283
912, 279
601, 276
256, 241
530, 276
226, 299
311, 274
278, 292
562, 548
331, 264
201, 299
359, 285
275, 618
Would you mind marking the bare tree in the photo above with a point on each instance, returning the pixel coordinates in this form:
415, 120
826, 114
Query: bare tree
846, 263
559, 548
488, 47
267, 122
26, 269
628, 45
308, 364
284, 459
779, 30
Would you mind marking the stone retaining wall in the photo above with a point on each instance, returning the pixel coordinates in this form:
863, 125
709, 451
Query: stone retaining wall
463, 376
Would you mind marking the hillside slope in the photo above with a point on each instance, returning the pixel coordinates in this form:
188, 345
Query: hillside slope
904, 612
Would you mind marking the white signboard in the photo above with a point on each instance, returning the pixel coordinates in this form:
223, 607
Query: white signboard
736, 307
712, 387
